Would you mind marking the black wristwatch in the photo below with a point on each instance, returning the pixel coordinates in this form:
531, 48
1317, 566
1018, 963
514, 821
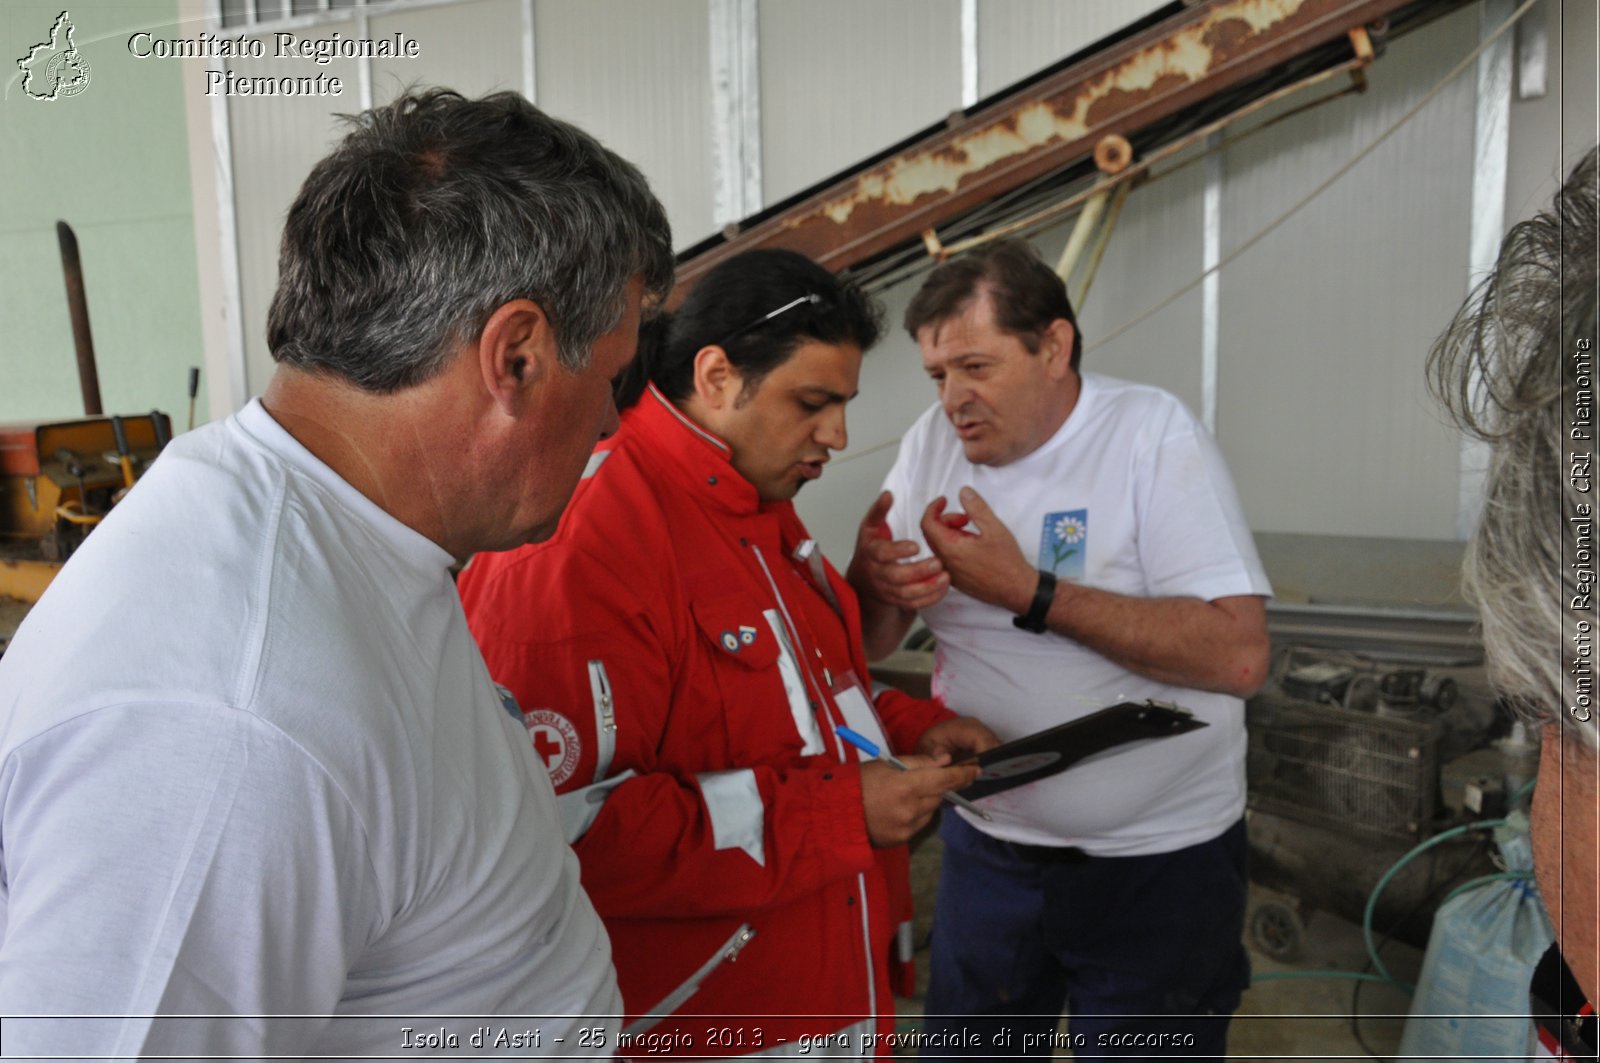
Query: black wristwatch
1043, 595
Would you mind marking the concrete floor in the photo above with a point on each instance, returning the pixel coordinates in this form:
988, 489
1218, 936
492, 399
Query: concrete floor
1300, 1018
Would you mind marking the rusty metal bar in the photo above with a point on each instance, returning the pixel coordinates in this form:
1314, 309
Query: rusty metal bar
78, 313
1132, 85
1137, 170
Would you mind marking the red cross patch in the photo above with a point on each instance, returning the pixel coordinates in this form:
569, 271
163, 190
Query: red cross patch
555, 743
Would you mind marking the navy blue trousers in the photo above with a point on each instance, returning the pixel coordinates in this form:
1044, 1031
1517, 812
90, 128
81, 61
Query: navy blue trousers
1145, 951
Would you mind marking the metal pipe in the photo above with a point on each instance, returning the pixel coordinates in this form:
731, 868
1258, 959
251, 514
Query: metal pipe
78, 311
1081, 230
1491, 159
1103, 237
1040, 217
1131, 88
1211, 287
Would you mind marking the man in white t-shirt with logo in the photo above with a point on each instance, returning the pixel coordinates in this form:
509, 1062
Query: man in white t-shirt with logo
1087, 547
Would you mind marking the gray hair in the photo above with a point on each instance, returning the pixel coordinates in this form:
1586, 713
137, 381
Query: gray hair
436, 210
1514, 368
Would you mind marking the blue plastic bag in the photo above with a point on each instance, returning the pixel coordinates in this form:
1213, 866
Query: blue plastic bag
1471, 1000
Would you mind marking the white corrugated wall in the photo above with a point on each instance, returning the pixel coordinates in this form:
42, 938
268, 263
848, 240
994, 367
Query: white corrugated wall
1308, 359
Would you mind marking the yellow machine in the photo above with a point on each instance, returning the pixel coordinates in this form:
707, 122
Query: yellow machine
57, 481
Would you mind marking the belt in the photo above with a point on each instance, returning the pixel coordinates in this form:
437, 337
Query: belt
1048, 854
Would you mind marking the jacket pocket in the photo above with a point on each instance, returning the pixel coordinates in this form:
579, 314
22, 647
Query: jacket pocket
758, 672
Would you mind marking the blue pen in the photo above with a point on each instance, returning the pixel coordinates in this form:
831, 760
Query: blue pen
870, 748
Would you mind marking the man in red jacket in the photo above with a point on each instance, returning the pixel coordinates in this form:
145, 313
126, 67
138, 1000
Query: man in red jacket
683, 656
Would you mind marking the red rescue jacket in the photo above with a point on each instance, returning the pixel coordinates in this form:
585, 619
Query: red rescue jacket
678, 668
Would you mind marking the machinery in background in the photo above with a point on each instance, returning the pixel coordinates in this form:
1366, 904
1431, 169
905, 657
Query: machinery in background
1352, 744
57, 481
1375, 732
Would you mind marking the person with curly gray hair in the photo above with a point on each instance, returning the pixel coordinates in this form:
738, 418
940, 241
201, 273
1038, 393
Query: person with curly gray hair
1516, 369
258, 793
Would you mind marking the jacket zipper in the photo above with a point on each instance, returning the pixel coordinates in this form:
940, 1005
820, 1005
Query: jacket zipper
727, 952
861, 878
605, 718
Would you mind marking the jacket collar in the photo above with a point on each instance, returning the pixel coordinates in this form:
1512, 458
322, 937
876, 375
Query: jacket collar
696, 459
696, 463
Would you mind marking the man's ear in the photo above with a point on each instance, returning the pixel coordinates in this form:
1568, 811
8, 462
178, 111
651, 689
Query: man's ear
516, 350
1057, 346
716, 379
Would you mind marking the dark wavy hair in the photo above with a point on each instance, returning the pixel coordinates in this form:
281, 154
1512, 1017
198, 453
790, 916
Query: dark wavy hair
1027, 295
733, 307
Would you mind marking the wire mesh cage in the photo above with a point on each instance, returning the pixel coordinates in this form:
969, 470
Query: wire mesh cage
1350, 770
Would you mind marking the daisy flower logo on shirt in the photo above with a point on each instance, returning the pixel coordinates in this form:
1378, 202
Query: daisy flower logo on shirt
1063, 542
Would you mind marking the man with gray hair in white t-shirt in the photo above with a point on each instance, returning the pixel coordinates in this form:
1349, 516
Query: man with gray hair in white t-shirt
1073, 541
258, 794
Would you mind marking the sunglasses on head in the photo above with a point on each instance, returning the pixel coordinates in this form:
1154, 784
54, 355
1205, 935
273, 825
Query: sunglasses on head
811, 299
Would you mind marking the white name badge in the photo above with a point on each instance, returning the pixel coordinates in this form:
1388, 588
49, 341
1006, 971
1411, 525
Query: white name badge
860, 716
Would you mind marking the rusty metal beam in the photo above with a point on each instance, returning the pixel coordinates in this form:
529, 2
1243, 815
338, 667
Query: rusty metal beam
1047, 125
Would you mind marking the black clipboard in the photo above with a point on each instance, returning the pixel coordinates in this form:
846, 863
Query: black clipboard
1044, 753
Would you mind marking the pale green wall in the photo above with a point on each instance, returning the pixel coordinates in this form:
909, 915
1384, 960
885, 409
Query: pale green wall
113, 162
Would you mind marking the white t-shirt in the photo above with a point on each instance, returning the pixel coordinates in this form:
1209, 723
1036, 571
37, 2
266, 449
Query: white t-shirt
1130, 495
251, 763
